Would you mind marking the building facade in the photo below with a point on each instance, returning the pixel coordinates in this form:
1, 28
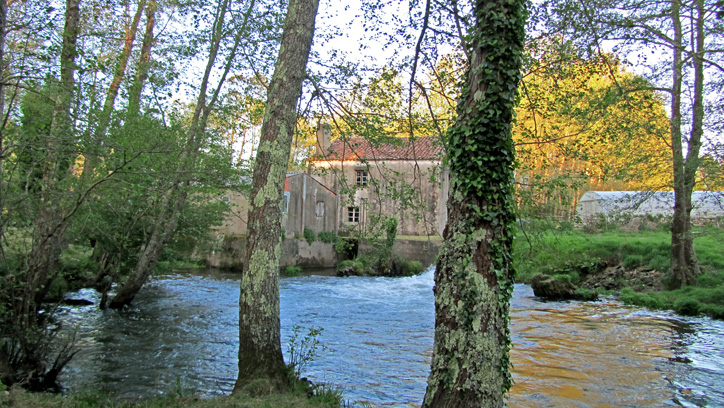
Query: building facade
400, 177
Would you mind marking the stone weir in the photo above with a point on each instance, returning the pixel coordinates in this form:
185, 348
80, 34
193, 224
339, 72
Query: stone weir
228, 252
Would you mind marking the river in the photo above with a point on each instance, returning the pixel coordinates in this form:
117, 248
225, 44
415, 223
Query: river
378, 333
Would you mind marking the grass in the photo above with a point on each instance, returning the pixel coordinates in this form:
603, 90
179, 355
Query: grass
326, 397
576, 254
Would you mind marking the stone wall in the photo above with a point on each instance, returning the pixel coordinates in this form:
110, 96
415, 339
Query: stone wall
423, 251
228, 253
297, 252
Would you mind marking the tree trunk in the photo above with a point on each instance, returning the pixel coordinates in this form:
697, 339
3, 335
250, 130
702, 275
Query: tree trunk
684, 264
164, 226
3, 28
28, 335
474, 276
174, 199
104, 118
49, 222
134, 93
260, 353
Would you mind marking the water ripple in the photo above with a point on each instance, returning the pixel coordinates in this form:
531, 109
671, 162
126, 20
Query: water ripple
379, 333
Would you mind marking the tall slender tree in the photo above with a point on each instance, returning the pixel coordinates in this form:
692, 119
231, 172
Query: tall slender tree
260, 353
474, 276
688, 79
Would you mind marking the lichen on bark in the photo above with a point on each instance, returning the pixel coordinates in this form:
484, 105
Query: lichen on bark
474, 276
260, 355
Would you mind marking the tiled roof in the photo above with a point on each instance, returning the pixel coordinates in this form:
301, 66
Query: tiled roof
356, 149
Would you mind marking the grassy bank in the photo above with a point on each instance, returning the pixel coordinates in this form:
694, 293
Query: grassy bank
576, 256
257, 394
22, 399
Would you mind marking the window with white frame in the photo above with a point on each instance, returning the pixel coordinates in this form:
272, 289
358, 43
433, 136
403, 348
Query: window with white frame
361, 177
352, 214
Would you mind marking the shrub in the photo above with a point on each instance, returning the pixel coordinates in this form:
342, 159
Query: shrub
687, 307
586, 294
327, 237
358, 266
309, 235
57, 289
344, 246
291, 271
409, 268
713, 311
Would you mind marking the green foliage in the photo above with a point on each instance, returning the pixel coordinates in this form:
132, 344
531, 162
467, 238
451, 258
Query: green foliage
633, 261
309, 235
328, 237
585, 294
580, 254
302, 348
411, 268
687, 307
344, 246
357, 264
292, 271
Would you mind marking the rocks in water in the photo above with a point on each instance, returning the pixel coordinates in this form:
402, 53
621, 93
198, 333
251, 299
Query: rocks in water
76, 302
549, 287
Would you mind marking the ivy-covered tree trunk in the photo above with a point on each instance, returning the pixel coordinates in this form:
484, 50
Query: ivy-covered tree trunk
474, 276
260, 352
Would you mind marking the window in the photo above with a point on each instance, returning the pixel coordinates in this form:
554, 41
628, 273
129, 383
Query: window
285, 203
352, 214
361, 179
319, 209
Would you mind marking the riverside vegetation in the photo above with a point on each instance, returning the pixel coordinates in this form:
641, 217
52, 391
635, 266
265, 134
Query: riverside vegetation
634, 265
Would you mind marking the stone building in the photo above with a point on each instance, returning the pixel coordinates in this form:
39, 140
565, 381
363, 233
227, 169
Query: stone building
306, 204
400, 177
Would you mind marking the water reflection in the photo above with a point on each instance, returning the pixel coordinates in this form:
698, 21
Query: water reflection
378, 333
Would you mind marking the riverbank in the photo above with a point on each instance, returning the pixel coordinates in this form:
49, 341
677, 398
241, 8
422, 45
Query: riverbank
632, 265
19, 398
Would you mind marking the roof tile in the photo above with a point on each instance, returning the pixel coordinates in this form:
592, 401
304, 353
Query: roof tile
358, 149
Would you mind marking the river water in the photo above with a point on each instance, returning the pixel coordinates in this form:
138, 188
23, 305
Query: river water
378, 332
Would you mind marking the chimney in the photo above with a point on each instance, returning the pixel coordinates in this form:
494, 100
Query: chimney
324, 134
